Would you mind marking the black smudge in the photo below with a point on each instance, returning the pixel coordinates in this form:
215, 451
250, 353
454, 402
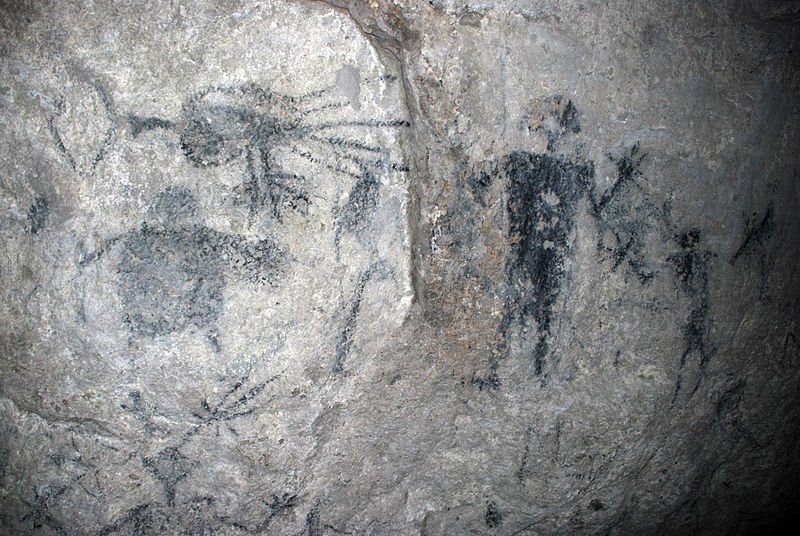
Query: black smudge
344, 341
38, 213
569, 118
360, 204
757, 233
138, 124
493, 517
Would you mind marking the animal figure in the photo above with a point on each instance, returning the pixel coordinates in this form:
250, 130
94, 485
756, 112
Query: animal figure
172, 269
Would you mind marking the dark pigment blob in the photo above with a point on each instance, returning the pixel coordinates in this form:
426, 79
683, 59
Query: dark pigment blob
557, 118
38, 214
493, 517
479, 184
596, 505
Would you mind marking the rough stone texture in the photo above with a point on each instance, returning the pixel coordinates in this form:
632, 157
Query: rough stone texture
395, 267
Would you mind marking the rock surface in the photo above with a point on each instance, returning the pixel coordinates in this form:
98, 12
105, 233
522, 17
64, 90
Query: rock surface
394, 267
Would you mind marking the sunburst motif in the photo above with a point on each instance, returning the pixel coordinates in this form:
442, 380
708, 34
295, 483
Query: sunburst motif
222, 123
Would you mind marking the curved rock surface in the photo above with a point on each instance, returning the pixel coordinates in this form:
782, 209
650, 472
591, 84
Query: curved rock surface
394, 267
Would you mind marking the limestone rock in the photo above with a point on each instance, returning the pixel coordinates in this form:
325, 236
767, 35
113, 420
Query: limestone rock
393, 267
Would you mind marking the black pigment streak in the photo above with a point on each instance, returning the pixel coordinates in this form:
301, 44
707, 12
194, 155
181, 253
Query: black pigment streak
365, 123
757, 234
51, 126
789, 342
39, 515
45, 509
139, 124
491, 380
278, 505
172, 268
344, 341
38, 214
545, 446
104, 144
543, 196
557, 436
492, 516
169, 467
220, 124
234, 404
193, 516
569, 118
627, 172
140, 409
276, 191
523, 466
624, 214
109, 134
524, 470
224, 123
692, 267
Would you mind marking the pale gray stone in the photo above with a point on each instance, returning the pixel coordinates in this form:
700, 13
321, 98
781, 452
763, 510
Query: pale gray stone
393, 267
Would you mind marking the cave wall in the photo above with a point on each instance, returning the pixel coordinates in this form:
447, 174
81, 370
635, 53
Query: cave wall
394, 267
